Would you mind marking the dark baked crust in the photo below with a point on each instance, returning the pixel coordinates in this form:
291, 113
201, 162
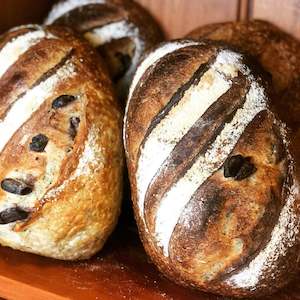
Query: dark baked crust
226, 224
75, 169
276, 51
91, 16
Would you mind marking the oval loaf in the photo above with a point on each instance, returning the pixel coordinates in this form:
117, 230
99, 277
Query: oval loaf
120, 29
212, 175
60, 147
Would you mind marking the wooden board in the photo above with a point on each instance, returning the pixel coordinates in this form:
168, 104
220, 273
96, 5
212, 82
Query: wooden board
122, 270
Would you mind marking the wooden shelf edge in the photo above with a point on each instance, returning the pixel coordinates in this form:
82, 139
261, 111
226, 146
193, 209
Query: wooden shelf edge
11, 289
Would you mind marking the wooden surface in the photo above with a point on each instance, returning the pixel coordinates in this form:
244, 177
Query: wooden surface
179, 17
122, 270
285, 14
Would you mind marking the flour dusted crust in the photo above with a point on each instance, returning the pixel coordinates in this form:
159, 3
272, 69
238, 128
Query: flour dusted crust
276, 51
213, 176
120, 29
60, 146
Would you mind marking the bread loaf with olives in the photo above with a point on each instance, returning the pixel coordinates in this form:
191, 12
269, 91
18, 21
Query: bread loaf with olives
121, 30
61, 155
214, 180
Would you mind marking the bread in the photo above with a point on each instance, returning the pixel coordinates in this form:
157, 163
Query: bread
61, 153
213, 178
276, 51
120, 29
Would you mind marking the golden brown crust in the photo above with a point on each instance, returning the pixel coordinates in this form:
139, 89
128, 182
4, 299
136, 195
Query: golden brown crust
225, 227
76, 178
126, 22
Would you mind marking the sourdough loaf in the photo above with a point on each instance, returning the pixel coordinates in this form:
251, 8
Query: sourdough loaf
120, 29
213, 177
60, 145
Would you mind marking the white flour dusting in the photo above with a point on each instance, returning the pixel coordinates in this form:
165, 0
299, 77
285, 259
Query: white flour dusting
149, 61
165, 135
10, 53
283, 237
153, 57
180, 193
90, 161
24, 107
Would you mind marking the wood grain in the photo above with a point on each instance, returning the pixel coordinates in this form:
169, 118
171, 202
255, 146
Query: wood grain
178, 17
121, 271
285, 14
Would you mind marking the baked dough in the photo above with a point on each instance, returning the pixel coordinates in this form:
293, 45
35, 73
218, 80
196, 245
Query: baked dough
277, 52
213, 178
61, 157
121, 30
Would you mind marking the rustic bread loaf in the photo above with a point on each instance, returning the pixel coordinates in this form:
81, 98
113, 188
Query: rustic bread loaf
213, 180
120, 29
276, 51
61, 153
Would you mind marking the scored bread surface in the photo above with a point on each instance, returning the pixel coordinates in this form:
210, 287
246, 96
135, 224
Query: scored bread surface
120, 29
229, 233
61, 153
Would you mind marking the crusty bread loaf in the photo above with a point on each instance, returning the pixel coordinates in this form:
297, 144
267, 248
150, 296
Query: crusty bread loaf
120, 29
61, 153
276, 51
213, 178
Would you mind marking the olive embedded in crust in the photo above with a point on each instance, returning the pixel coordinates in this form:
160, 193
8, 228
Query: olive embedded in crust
16, 186
13, 214
74, 123
62, 101
38, 143
239, 167
246, 170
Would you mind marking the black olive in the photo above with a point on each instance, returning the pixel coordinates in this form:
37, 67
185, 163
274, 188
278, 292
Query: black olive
38, 143
62, 101
13, 214
74, 123
232, 165
246, 170
238, 167
16, 186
